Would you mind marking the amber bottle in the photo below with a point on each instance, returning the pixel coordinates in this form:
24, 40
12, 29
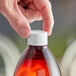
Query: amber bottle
37, 60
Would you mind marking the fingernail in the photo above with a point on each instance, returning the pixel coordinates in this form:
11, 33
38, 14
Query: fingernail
24, 33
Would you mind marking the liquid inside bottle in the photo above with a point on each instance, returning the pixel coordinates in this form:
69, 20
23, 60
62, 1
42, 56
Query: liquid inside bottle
37, 60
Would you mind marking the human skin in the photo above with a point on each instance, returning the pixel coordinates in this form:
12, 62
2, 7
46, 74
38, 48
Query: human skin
20, 13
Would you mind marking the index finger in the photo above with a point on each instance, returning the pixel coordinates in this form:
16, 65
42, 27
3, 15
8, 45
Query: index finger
44, 6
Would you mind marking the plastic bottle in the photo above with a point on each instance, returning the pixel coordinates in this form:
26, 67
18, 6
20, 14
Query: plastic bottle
37, 60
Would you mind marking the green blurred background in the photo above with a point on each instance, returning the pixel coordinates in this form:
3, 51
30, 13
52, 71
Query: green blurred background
64, 31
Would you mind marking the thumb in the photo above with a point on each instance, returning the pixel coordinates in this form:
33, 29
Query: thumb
17, 20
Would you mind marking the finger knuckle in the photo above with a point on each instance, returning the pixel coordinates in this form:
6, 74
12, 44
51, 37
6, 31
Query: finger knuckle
16, 22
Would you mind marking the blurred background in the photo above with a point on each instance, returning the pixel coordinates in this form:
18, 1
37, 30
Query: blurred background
64, 31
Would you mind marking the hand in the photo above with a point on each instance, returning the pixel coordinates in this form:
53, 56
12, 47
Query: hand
22, 12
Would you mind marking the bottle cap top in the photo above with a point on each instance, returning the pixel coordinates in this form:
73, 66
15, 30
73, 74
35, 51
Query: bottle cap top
38, 38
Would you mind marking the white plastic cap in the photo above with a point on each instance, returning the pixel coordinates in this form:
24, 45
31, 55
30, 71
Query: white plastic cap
38, 38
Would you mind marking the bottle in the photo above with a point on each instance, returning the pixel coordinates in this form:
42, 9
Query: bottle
37, 60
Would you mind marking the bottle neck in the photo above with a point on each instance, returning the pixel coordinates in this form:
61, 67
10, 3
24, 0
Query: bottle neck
37, 47
36, 52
